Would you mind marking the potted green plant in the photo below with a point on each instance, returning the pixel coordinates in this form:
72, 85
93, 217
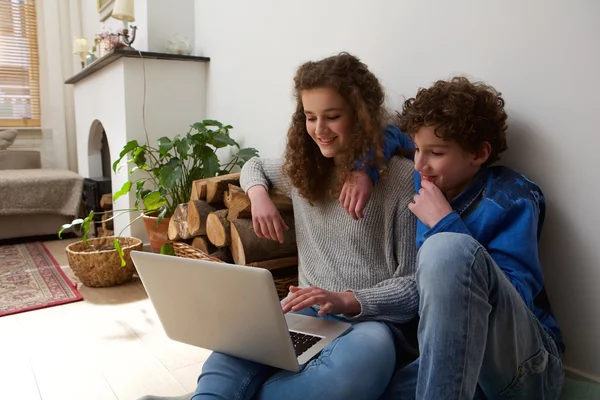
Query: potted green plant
162, 176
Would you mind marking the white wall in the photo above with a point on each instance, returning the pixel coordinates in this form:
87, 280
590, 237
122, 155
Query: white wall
167, 18
543, 55
156, 20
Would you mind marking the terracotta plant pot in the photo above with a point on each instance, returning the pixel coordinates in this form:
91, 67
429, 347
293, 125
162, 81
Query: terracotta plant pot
102, 267
157, 235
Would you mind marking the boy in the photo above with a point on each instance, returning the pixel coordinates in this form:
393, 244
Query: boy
485, 320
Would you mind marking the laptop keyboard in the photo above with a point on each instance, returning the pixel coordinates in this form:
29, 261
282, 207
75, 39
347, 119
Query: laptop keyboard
303, 342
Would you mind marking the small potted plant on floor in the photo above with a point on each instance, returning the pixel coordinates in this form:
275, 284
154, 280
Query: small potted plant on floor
162, 177
101, 262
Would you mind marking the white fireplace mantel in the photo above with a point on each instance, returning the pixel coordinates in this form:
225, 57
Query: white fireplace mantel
111, 92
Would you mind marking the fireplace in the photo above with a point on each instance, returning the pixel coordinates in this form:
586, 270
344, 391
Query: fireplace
112, 96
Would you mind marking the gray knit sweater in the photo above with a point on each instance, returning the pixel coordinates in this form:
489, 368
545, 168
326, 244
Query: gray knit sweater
374, 257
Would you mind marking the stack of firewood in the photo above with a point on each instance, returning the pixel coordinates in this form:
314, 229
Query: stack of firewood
106, 227
218, 221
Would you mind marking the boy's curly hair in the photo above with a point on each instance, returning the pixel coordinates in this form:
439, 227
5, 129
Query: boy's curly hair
459, 110
309, 171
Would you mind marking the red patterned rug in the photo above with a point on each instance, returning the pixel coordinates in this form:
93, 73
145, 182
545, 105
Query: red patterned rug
30, 279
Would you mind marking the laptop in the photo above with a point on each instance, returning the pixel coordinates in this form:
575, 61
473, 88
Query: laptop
231, 309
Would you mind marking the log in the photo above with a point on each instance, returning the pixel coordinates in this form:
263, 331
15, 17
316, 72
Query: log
276, 263
198, 211
178, 225
106, 223
106, 201
215, 187
247, 248
223, 254
238, 202
218, 228
198, 190
201, 243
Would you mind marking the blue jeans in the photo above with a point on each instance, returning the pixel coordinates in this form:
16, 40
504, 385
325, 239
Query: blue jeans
477, 338
356, 365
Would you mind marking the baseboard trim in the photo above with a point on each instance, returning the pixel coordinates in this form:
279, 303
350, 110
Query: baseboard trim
581, 374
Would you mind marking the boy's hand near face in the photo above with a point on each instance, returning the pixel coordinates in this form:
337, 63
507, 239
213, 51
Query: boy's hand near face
430, 204
356, 193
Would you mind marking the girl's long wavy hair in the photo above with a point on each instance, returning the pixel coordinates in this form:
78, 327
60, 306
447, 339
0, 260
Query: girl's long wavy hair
309, 171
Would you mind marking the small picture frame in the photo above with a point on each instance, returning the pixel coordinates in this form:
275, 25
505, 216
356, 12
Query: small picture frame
105, 8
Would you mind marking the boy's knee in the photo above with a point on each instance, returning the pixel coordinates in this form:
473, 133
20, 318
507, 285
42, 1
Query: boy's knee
444, 256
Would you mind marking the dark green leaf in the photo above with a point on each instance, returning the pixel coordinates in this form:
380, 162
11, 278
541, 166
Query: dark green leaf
124, 190
220, 140
199, 126
164, 146
167, 249
182, 148
247, 153
169, 176
117, 247
154, 200
212, 122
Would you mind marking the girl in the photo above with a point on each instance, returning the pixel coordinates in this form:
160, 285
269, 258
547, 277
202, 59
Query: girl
362, 272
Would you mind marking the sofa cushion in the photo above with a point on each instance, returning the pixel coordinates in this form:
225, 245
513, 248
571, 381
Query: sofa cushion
20, 159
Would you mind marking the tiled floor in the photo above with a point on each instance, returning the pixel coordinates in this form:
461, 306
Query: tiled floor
109, 346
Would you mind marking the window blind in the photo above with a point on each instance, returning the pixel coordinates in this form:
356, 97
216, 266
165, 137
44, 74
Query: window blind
19, 65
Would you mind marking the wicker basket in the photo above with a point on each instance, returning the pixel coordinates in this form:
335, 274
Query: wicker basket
283, 277
101, 268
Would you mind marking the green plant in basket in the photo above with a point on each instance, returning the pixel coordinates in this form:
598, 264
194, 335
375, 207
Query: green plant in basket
162, 175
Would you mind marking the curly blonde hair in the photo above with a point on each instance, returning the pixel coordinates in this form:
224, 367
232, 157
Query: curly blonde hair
308, 170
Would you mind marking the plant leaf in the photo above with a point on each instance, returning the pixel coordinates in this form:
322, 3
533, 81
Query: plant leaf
220, 140
199, 126
167, 249
139, 156
117, 247
126, 149
162, 214
164, 146
123, 191
212, 122
247, 153
77, 221
183, 147
171, 173
154, 200
86, 226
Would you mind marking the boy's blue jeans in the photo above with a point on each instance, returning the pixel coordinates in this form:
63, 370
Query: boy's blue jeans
475, 334
357, 365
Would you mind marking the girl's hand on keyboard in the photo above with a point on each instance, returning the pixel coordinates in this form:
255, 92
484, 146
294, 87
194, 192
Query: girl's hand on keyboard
330, 302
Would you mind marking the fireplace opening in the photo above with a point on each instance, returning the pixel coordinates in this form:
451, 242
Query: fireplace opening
99, 181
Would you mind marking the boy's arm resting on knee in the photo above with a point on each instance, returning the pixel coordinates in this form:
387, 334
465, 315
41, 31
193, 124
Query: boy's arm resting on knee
396, 299
266, 172
450, 223
515, 249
